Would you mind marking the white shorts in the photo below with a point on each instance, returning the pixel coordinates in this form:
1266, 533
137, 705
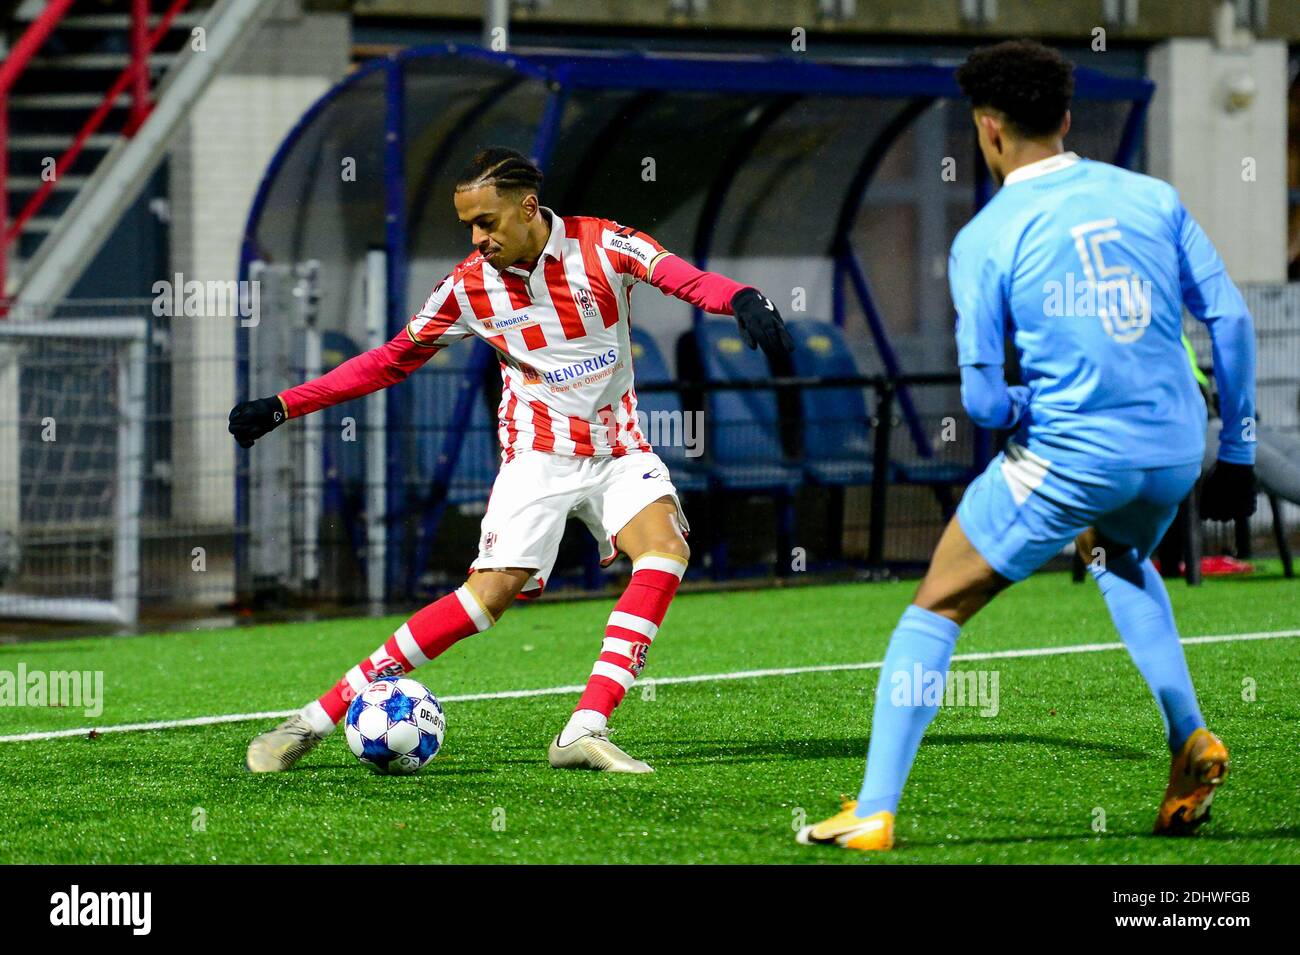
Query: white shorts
536, 492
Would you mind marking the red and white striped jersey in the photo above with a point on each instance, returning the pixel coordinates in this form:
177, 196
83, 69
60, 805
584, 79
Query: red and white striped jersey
561, 333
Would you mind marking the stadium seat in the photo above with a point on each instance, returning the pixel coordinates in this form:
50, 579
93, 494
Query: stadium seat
836, 444
743, 434
743, 426
651, 369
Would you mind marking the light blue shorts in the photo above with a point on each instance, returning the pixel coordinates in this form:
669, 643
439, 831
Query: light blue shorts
1023, 510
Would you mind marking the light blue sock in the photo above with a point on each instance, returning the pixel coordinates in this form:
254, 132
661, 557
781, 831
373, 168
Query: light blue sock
907, 697
1139, 607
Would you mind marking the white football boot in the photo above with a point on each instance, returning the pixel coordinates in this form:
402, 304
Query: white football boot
278, 749
594, 751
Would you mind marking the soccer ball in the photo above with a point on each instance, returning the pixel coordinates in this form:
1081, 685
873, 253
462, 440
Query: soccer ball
395, 725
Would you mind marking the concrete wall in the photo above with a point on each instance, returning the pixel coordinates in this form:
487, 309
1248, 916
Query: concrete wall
1229, 164
214, 171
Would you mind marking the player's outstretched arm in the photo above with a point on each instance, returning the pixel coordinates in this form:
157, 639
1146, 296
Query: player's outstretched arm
760, 323
366, 373
1229, 490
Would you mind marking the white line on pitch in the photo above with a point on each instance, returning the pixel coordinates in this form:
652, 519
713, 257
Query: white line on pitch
664, 681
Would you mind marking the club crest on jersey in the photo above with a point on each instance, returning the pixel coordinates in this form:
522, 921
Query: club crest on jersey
587, 303
531, 375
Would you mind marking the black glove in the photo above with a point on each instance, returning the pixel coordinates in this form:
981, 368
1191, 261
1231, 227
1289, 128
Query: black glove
760, 322
249, 420
1228, 492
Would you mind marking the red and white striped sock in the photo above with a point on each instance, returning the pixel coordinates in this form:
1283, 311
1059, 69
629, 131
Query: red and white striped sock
427, 634
632, 627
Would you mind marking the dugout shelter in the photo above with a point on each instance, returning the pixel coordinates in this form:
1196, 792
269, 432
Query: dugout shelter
763, 168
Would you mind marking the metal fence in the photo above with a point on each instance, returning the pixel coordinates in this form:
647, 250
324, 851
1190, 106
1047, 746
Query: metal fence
1276, 311
120, 489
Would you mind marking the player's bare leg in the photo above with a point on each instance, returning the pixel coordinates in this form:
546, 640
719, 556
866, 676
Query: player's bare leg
471, 609
654, 541
497, 589
957, 586
960, 582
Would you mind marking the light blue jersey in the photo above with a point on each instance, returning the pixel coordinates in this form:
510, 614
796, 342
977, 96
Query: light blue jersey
1087, 267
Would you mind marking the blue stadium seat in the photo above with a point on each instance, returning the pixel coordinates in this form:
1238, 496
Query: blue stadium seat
836, 426
650, 369
923, 472
436, 388
743, 427
838, 449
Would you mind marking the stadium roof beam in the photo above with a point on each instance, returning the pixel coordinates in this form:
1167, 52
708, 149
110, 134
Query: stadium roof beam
1068, 22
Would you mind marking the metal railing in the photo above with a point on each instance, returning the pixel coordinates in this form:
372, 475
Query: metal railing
134, 77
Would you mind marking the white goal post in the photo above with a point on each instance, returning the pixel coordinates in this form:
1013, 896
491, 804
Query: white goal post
72, 421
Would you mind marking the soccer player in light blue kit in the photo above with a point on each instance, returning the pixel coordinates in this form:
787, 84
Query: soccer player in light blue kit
1087, 268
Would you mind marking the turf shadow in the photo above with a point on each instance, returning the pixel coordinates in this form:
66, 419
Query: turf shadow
735, 751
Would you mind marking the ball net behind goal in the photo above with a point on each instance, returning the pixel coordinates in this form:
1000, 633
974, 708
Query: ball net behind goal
72, 427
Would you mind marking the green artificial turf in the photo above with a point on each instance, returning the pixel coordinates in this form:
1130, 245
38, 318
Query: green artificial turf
738, 762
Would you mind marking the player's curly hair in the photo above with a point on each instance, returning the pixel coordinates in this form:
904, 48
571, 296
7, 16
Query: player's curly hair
1029, 83
506, 169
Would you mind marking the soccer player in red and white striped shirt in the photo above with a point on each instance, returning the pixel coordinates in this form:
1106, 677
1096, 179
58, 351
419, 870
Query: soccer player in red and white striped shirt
551, 294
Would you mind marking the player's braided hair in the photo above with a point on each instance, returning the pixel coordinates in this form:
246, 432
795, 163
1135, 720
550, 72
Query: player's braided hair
1029, 83
504, 168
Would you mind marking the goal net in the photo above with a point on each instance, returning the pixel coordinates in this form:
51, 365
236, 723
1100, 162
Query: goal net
72, 415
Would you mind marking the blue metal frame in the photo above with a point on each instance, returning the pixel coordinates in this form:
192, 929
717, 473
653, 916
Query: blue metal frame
429, 174
395, 281
722, 182
564, 73
586, 166
858, 278
846, 261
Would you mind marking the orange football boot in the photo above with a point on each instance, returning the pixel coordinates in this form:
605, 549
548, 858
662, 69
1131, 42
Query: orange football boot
1194, 774
846, 830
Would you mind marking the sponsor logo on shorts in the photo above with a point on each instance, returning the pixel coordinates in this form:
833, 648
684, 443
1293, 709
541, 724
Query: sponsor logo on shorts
656, 474
489, 541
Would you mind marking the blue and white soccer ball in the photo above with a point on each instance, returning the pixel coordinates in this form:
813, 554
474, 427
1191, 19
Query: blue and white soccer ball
395, 725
